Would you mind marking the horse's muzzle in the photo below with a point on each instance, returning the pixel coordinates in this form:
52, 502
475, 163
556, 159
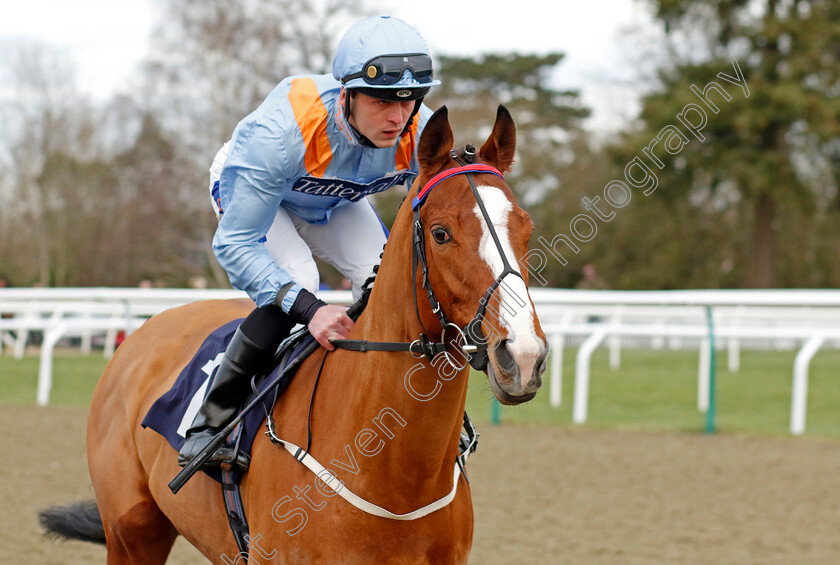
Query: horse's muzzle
515, 374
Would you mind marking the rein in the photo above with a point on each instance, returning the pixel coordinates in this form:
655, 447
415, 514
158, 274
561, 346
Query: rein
470, 340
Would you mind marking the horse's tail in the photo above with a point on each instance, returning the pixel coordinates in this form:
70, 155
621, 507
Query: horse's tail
78, 521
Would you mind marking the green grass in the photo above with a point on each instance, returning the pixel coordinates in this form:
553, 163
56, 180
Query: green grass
653, 390
74, 377
657, 391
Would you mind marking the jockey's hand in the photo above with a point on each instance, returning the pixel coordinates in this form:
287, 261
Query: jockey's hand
330, 322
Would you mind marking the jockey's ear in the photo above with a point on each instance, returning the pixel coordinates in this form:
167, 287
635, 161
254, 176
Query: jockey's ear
435, 143
500, 147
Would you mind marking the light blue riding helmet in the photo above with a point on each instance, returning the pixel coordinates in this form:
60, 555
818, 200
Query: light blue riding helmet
384, 57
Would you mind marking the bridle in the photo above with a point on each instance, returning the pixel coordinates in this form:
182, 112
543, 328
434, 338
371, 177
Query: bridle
474, 342
470, 340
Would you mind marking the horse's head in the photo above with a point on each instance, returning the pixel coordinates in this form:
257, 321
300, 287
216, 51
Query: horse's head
473, 238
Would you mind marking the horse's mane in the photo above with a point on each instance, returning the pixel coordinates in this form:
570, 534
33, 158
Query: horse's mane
367, 287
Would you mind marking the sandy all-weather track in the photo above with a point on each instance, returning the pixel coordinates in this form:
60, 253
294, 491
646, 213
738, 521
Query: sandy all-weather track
541, 494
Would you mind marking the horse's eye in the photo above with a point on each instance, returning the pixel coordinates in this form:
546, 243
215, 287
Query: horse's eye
441, 235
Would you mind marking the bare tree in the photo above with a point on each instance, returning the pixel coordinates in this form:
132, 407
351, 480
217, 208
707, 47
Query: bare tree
44, 115
213, 61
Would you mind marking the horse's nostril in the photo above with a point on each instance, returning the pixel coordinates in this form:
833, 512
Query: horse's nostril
505, 359
542, 365
544, 360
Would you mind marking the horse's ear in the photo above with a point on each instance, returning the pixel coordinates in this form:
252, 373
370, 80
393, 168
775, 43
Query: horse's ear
436, 141
500, 147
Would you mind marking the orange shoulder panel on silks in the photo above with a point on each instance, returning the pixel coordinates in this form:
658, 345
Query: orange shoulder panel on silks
406, 148
311, 117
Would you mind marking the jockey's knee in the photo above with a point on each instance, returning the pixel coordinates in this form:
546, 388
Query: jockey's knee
306, 275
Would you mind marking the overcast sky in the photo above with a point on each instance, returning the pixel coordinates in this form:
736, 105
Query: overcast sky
108, 37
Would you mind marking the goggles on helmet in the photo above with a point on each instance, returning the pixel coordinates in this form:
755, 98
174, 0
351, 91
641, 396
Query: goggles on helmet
389, 69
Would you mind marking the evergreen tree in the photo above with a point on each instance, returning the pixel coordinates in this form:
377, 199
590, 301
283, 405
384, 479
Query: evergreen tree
547, 119
751, 196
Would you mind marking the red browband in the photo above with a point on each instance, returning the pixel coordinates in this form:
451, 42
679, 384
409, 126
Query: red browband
464, 169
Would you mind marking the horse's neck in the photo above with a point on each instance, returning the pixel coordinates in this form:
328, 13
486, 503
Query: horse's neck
414, 405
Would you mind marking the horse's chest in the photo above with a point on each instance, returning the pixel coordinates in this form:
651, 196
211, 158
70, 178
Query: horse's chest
345, 538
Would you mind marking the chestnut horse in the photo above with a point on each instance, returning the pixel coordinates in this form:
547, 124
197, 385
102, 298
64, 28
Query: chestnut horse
387, 423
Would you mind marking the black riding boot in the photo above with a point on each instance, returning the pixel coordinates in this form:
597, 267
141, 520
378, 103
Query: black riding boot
230, 387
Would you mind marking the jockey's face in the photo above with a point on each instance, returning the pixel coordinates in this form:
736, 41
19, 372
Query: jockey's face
381, 121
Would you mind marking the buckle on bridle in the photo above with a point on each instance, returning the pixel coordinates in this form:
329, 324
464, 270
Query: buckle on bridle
460, 341
419, 354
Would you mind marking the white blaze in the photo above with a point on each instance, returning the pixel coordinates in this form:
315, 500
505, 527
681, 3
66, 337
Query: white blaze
515, 311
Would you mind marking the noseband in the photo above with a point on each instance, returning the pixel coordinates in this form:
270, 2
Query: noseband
472, 337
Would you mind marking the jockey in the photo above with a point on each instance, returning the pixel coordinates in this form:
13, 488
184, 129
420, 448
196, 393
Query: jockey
292, 182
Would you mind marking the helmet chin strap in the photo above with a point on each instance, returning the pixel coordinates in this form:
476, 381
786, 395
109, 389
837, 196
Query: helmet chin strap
362, 138
417, 104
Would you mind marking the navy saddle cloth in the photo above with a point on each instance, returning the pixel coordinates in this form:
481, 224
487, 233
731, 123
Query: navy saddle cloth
172, 414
